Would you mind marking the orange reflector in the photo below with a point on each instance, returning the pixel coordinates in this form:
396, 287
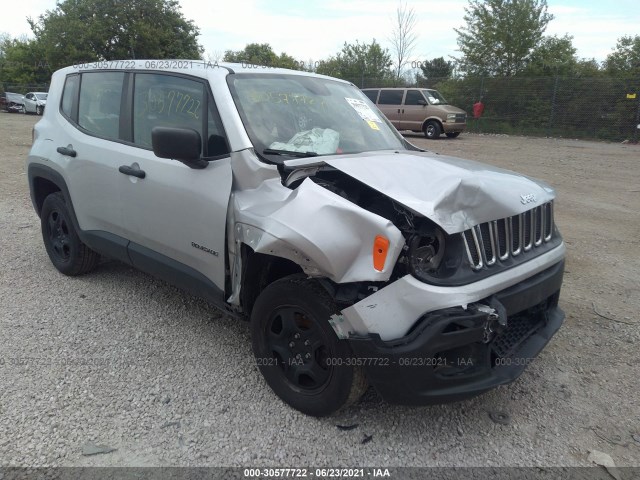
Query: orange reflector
380, 249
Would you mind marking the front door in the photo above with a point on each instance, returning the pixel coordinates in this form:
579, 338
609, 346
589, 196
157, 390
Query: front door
176, 213
414, 111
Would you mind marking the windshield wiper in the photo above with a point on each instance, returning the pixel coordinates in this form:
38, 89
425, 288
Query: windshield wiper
271, 151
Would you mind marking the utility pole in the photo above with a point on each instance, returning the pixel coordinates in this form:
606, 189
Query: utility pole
637, 124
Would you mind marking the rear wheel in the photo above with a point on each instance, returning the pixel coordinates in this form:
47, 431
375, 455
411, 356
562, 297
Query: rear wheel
432, 130
298, 352
452, 134
65, 249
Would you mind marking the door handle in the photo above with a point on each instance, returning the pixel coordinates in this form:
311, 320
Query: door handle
133, 171
398, 110
68, 151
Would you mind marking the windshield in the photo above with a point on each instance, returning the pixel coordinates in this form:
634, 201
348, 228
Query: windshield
309, 115
435, 97
41, 96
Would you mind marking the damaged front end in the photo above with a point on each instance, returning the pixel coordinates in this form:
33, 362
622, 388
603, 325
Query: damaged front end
460, 306
460, 352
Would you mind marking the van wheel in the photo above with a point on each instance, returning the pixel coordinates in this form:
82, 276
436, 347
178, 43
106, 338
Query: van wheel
65, 249
297, 351
452, 134
432, 130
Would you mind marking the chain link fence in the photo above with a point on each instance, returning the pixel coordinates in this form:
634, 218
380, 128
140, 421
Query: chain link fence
23, 88
602, 108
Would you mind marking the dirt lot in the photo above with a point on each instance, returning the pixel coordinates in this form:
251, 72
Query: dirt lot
175, 384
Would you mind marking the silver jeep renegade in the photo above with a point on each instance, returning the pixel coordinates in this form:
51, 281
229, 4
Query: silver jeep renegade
287, 199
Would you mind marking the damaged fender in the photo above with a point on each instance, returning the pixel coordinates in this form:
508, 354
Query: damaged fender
322, 232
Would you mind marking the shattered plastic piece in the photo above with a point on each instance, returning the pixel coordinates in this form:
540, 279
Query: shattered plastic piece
636, 437
604, 460
337, 322
91, 448
502, 418
317, 140
366, 439
347, 427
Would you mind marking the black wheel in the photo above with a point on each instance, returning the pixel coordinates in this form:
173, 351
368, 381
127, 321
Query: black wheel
67, 253
452, 134
39, 110
298, 352
432, 130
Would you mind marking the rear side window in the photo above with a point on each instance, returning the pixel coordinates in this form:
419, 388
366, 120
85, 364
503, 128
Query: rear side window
372, 94
390, 97
412, 98
69, 94
165, 101
99, 103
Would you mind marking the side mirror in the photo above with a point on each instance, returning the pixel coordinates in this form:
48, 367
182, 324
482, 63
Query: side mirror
182, 144
422, 101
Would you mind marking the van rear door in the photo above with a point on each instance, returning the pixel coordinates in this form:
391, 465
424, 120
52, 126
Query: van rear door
390, 103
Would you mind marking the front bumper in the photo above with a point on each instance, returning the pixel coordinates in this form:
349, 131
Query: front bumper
15, 107
454, 127
456, 353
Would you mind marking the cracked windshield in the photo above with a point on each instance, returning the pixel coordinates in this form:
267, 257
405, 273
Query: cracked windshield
302, 116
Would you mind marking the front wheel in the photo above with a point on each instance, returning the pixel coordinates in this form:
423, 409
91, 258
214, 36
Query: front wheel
432, 130
298, 352
39, 110
452, 134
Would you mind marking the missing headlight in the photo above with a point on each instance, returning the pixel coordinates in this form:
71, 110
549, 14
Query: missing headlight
425, 253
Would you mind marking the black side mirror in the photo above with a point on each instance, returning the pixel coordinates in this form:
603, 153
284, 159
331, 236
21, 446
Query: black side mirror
182, 144
422, 101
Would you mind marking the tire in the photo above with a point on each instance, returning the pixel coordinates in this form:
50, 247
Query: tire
298, 352
432, 130
65, 249
39, 110
452, 134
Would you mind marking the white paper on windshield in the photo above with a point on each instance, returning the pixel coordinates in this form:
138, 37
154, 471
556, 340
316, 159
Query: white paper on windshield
317, 140
363, 110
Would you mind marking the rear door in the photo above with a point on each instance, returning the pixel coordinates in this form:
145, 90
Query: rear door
390, 103
176, 215
87, 148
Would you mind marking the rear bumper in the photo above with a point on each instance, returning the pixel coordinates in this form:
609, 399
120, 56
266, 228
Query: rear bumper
455, 353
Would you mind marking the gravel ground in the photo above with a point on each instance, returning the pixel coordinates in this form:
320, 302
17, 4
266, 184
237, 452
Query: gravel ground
118, 359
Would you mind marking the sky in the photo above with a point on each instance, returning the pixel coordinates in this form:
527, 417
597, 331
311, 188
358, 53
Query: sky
312, 30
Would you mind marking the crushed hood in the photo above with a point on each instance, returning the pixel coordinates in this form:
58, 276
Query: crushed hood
455, 193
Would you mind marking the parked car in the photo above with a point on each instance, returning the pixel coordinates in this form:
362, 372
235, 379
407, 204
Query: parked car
12, 102
287, 199
34, 102
419, 110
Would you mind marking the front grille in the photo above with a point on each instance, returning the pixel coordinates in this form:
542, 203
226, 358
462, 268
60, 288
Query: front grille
461, 118
489, 243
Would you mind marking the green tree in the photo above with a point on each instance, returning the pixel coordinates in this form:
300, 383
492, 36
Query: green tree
359, 62
625, 58
22, 61
500, 35
88, 30
553, 56
438, 68
261, 54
